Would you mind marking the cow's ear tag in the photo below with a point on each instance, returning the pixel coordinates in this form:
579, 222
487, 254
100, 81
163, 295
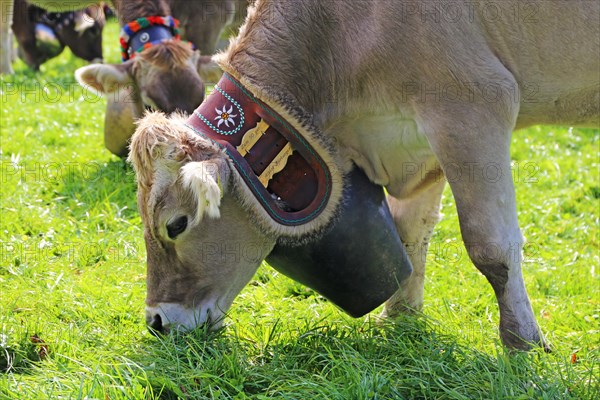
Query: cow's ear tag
360, 261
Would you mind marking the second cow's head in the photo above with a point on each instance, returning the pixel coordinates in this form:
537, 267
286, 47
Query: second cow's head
168, 77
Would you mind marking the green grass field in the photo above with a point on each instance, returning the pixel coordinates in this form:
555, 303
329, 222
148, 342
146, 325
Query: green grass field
72, 283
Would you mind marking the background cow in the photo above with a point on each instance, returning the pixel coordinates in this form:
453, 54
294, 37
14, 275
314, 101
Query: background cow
168, 77
202, 23
80, 31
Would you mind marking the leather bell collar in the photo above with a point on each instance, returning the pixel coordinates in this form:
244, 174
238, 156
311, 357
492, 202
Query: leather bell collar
283, 171
358, 261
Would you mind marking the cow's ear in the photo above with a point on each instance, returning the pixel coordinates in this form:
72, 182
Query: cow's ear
204, 179
105, 78
209, 71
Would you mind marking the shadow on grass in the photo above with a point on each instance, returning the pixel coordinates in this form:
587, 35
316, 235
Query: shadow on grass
21, 356
410, 358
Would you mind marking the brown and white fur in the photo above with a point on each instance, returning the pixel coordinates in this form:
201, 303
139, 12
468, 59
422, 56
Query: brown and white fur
391, 87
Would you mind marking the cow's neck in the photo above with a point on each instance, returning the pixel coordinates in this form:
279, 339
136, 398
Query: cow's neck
284, 57
128, 11
320, 54
330, 68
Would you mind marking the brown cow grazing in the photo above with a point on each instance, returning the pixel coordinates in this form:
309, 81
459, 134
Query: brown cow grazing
202, 22
80, 31
314, 86
159, 71
166, 76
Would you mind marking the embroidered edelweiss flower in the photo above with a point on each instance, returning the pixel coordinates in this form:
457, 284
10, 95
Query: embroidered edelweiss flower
225, 116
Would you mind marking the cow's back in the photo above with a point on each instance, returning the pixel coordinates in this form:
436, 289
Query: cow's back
543, 56
552, 47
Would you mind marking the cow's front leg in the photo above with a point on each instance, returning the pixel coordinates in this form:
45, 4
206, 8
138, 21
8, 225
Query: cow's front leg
6, 43
415, 217
472, 143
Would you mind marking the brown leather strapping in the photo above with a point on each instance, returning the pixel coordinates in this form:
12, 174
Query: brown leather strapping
280, 167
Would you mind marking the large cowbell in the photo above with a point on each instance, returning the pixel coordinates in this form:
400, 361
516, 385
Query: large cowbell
360, 261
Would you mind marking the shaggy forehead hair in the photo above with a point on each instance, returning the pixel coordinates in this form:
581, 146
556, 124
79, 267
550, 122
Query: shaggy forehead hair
159, 147
168, 54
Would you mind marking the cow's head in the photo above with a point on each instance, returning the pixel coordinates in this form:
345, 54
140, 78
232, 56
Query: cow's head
165, 77
202, 244
83, 33
43, 35
207, 228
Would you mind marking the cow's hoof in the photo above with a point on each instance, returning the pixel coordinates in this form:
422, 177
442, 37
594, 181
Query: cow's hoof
517, 343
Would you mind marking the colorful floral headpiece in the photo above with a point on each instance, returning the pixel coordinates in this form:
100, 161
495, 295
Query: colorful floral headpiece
131, 28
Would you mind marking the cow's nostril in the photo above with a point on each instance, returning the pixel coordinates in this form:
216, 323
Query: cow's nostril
156, 325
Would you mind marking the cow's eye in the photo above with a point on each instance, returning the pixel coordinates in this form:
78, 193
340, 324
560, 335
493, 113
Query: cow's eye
177, 226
